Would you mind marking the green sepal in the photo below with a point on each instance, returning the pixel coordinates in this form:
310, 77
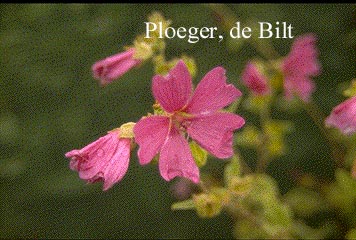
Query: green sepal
200, 155
183, 205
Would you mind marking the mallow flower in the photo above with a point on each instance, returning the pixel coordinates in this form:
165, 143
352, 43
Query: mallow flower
254, 80
185, 114
343, 116
106, 159
299, 66
113, 67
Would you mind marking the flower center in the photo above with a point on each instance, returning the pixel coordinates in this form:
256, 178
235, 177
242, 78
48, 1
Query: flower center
181, 120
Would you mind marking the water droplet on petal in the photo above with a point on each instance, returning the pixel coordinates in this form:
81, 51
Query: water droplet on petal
100, 153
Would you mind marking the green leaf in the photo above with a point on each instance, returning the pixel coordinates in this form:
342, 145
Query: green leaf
305, 202
264, 189
279, 214
346, 182
200, 155
184, 205
232, 169
247, 229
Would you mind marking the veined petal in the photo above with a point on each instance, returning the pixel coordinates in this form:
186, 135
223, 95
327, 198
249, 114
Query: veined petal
117, 166
150, 134
176, 158
212, 93
93, 158
105, 159
174, 90
215, 132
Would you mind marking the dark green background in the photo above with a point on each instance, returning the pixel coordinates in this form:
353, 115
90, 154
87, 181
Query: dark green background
50, 104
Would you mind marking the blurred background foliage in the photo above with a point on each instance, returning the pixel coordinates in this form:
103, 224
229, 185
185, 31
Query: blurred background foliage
50, 104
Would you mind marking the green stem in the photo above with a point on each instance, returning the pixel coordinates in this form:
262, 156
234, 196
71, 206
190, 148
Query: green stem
228, 19
262, 152
318, 118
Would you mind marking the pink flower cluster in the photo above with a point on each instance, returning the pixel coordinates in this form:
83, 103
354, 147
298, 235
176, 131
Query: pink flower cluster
298, 67
186, 114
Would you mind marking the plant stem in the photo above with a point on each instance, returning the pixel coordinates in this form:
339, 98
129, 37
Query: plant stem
263, 156
228, 19
318, 118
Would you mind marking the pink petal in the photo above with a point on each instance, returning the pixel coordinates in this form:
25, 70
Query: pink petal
303, 57
254, 80
299, 85
105, 159
113, 67
176, 158
117, 166
174, 90
215, 132
343, 117
150, 134
212, 93
95, 160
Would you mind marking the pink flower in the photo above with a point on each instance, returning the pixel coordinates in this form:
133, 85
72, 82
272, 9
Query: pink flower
343, 117
106, 159
299, 66
254, 80
197, 115
113, 67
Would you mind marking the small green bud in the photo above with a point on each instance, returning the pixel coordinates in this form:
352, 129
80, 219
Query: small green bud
264, 189
200, 155
208, 205
143, 50
157, 109
249, 137
351, 90
126, 130
156, 17
241, 186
